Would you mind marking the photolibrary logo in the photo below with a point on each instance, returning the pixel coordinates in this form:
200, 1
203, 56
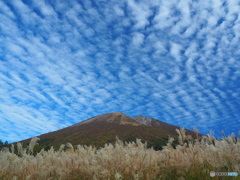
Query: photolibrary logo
212, 174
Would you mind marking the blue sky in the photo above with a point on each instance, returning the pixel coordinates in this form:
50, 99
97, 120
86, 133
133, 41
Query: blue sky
62, 62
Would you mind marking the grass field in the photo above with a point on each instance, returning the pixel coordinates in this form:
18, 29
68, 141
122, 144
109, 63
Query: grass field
191, 159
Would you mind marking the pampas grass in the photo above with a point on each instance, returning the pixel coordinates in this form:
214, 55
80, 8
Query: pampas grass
191, 159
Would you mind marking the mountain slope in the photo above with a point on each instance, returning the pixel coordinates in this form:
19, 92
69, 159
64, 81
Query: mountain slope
104, 128
161, 125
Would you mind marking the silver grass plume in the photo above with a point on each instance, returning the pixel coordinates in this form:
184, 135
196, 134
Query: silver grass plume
12, 148
20, 148
196, 131
32, 143
70, 146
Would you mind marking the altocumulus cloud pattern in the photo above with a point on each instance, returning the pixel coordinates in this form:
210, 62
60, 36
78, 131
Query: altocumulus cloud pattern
62, 62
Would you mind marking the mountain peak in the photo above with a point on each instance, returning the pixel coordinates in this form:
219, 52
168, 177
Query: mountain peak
115, 117
118, 113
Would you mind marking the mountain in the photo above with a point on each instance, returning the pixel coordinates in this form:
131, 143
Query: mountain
104, 128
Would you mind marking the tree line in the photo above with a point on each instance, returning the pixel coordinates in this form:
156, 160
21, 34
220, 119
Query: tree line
3, 143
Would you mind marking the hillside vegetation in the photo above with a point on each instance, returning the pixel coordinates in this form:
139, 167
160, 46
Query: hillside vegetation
191, 159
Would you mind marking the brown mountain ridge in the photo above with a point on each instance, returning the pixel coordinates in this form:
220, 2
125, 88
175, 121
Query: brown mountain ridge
104, 128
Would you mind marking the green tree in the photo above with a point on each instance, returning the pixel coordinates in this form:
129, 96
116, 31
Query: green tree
3, 143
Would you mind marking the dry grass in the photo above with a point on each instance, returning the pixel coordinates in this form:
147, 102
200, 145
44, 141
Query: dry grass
192, 159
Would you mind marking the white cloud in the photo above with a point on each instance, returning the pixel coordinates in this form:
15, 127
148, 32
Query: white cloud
15, 49
6, 10
176, 51
162, 77
164, 18
44, 8
26, 121
118, 10
138, 39
141, 12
